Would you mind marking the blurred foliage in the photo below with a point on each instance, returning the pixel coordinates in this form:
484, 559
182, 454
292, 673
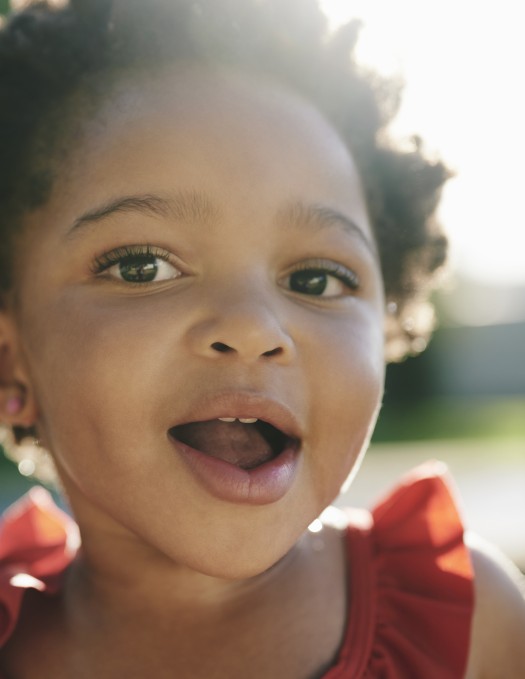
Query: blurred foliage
4, 6
451, 418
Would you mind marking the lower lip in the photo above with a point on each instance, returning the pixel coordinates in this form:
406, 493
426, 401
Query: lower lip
262, 485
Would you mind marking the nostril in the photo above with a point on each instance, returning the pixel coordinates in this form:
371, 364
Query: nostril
273, 352
225, 349
221, 347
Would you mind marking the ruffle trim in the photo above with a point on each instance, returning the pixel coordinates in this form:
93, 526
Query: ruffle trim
37, 543
411, 585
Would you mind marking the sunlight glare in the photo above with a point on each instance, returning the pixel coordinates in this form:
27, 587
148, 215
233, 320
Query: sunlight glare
461, 96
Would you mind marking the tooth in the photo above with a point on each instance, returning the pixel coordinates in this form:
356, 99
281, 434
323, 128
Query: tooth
248, 420
227, 419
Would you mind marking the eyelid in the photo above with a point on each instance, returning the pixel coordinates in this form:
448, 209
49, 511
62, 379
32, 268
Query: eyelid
108, 259
346, 275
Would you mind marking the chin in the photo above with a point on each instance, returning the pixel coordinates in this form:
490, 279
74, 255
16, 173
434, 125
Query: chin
239, 564
238, 572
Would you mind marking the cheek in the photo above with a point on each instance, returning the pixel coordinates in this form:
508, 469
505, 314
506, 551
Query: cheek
348, 369
346, 355
109, 371
96, 371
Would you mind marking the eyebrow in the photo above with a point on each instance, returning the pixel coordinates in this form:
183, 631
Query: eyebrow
186, 205
193, 206
321, 217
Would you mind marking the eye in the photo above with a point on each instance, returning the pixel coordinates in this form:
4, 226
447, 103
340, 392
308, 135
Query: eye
136, 264
323, 280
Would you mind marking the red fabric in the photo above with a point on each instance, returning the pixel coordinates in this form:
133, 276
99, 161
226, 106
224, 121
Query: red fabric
37, 542
410, 581
411, 586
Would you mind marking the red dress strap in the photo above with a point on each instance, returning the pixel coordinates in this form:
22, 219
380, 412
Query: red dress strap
411, 595
37, 542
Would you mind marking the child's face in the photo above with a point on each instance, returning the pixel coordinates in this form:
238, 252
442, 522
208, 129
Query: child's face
218, 283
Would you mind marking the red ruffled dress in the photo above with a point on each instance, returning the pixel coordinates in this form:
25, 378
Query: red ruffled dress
410, 586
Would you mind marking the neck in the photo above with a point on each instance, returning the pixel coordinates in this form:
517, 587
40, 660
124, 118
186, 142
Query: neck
123, 575
125, 603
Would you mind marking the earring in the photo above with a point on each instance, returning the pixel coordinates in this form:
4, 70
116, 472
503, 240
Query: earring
13, 399
14, 405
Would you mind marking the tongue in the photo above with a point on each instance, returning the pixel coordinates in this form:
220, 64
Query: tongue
240, 444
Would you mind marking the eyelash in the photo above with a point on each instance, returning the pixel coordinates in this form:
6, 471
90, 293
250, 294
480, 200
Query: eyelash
109, 259
342, 273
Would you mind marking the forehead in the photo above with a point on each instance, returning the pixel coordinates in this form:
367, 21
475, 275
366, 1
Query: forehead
157, 134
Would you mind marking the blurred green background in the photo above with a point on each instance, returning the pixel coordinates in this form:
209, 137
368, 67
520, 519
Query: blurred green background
462, 401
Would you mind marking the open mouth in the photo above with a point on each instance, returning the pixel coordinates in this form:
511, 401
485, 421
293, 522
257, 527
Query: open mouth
245, 443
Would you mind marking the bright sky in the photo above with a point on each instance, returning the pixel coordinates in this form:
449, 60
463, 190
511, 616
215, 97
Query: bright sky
462, 61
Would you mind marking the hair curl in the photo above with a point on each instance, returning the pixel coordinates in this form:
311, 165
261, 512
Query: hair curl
48, 55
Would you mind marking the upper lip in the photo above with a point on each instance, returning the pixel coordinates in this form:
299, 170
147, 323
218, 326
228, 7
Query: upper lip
244, 404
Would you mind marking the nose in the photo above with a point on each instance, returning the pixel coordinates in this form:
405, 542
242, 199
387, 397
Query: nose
247, 329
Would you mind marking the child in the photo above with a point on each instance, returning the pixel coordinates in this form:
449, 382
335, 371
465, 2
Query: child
204, 229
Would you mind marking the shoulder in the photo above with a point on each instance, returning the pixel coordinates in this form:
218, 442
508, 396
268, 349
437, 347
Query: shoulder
498, 631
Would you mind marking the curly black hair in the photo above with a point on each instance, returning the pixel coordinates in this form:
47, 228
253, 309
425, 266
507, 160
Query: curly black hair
51, 55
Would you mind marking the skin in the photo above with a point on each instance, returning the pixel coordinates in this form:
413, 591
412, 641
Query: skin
104, 368
108, 367
499, 621
150, 359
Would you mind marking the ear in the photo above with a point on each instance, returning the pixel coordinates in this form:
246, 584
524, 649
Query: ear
17, 402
